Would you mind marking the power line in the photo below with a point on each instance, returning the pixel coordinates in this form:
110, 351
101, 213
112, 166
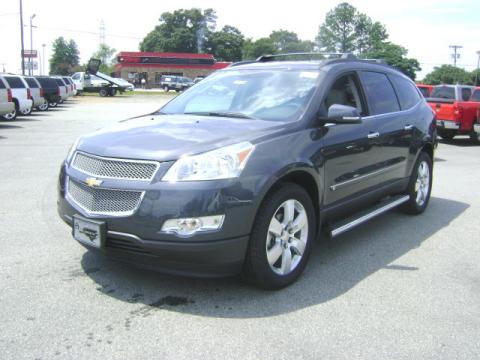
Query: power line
96, 33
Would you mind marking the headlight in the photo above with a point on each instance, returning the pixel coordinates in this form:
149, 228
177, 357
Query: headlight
72, 151
224, 163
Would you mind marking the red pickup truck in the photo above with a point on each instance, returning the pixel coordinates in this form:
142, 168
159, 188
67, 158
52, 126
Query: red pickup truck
426, 90
456, 111
476, 98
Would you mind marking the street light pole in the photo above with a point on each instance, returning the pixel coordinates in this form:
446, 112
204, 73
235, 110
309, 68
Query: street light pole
21, 38
43, 59
30, 70
478, 67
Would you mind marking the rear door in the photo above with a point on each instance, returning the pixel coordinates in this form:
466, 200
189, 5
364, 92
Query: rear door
349, 155
391, 126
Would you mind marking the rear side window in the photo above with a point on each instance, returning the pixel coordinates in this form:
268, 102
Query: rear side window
443, 92
67, 81
407, 92
15, 82
59, 82
31, 83
466, 93
2, 85
476, 96
379, 92
424, 91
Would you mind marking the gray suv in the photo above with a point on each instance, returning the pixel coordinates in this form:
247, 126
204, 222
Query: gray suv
239, 173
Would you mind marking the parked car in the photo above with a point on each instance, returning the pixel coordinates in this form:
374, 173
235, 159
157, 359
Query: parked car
51, 90
21, 96
198, 79
71, 91
62, 87
128, 86
177, 83
426, 90
38, 94
7, 106
476, 126
240, 172
456, 114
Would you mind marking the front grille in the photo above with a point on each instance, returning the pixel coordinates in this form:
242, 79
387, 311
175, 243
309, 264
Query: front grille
104, 201
114, 168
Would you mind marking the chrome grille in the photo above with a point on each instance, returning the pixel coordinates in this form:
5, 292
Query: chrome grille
114, 168
104, 201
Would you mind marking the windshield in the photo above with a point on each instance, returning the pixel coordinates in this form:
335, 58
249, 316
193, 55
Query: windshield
279, 95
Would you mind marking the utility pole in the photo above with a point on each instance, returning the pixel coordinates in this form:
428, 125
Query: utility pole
43, 61
102, 38
21, 37
455, 54
30, 69
3, 66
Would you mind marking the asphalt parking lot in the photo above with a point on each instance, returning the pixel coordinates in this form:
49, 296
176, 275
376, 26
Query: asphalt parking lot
399, 287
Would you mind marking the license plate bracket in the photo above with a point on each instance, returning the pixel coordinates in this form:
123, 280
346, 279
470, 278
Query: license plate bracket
89, 232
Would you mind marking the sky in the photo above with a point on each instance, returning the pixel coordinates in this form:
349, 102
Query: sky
425, 27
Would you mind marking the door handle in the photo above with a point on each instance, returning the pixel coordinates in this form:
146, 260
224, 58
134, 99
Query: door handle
408, 127
373, 135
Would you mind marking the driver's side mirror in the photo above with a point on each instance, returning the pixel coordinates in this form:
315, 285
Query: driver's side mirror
342, 114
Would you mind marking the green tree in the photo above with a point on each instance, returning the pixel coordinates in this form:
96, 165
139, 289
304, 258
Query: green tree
226, 44
184, 30
448, 74
105, 53
396, 56
345, 29
287, 42
254, 49
65, 56
475, 77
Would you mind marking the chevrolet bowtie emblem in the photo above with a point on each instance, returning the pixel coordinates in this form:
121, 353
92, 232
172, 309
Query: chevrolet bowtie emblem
93, 182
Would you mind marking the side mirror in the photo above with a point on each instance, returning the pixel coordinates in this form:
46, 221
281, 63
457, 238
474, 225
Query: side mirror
342, 114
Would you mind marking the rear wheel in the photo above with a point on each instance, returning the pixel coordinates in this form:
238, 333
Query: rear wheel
103, 92
475, 138
420, 186
281, 238
27, 111
113, 92
11, 115
166, 89
43, 107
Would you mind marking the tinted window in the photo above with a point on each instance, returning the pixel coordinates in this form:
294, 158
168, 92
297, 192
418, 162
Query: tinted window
424, 91
15, 82
2, 85
344, 92
67, 80
476, 96
380, 94
59, 82
76, 77
443, 92
466, 93
31, 82
406, 91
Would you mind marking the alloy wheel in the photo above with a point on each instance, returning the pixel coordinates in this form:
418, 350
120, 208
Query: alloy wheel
287, 237
422, 185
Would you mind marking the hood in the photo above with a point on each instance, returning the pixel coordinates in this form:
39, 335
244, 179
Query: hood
167, 137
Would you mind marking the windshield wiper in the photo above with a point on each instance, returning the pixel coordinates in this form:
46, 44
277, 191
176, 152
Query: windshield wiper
220, 114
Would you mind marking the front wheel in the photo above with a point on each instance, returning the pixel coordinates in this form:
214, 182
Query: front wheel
281, 238
420, 186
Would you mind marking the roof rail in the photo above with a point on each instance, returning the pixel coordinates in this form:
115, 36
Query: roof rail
307, 55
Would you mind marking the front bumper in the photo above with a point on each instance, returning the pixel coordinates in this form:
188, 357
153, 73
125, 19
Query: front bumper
448, 124
137, 239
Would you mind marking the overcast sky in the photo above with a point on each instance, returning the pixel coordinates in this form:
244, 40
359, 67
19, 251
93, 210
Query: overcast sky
425, 27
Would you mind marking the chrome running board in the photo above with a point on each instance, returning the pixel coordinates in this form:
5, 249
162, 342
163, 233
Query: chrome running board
349, 223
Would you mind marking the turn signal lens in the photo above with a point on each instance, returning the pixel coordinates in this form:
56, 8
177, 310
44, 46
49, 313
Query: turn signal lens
190, 226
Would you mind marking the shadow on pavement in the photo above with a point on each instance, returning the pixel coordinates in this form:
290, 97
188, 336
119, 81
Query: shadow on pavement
8, 126
463, 141
335, 267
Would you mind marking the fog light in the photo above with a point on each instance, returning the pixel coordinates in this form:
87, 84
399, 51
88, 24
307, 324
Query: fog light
190, 226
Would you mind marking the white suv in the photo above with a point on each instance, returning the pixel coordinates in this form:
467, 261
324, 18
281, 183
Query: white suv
21, 96
7, 106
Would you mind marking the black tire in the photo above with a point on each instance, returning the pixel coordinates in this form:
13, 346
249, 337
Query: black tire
166, 88
257, 269
43, 107
113, 92
53, 104
446, 135
20, 113
103, 92
412, 206
475, 138
10, 116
